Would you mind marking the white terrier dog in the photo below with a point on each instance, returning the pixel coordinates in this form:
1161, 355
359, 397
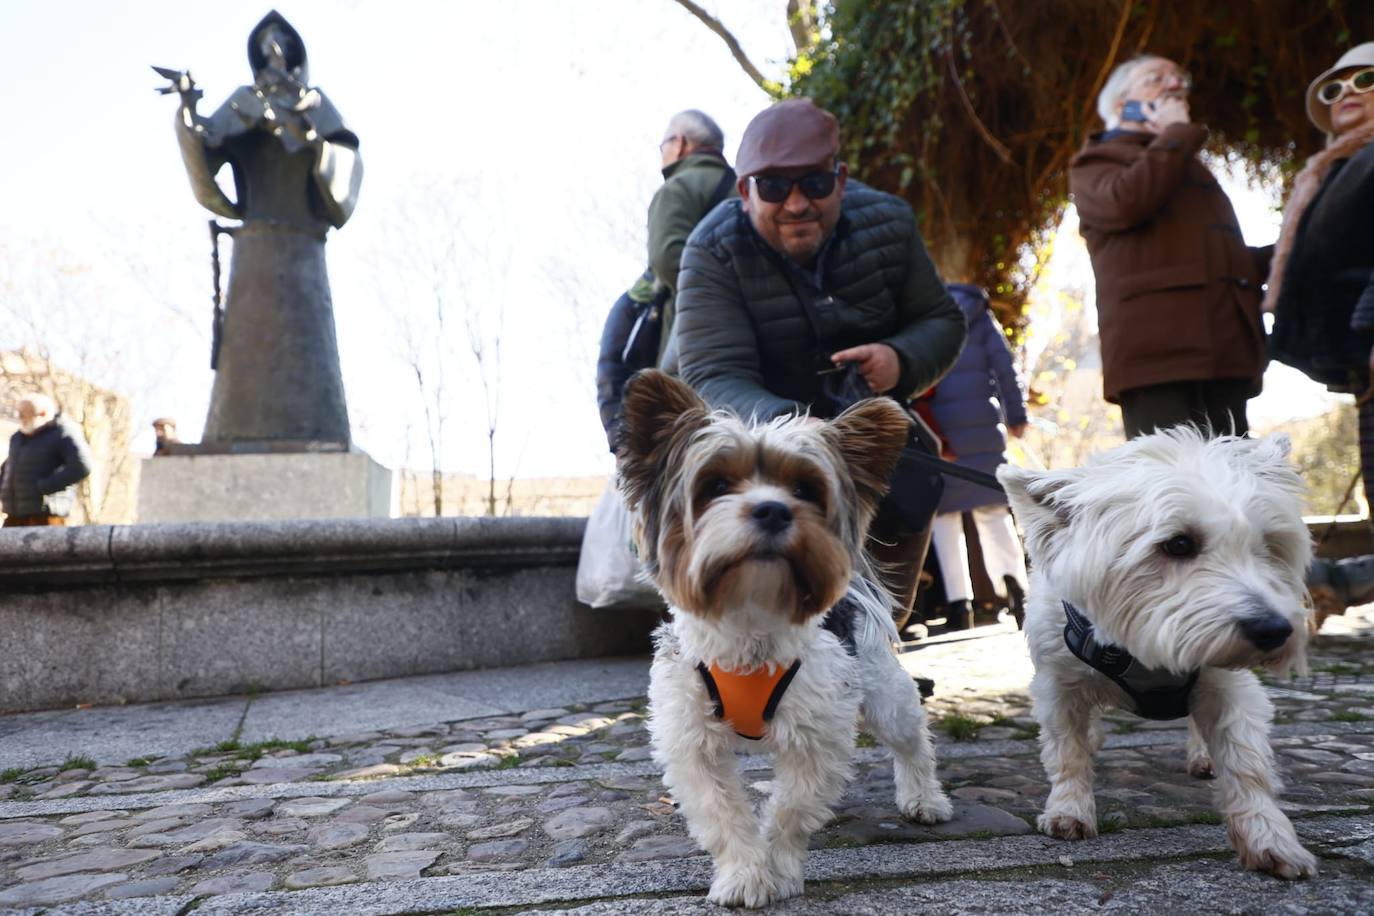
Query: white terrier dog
1163, 569
754, 534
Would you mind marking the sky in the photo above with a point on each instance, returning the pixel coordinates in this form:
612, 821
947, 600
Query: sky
510, 152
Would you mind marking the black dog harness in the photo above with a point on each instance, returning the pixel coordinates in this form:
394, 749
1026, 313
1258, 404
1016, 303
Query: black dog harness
1157, 694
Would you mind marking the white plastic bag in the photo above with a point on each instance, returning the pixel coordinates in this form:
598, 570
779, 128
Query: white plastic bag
607, 569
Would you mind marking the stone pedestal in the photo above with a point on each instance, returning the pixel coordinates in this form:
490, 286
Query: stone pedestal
238, 487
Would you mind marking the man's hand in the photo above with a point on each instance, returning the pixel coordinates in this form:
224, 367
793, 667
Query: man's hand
1165, 112
878, 364
1371, 363
1017, 430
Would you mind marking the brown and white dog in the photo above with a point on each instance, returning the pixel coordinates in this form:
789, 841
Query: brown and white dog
754, 534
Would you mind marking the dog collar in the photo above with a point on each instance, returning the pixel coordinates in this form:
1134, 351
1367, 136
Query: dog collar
747, 701
1156, 693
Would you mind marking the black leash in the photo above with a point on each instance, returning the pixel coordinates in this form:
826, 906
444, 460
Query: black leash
982, 478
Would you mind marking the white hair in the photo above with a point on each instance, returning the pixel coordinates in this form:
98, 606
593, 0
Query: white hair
42, 404
698, 129
1114, 90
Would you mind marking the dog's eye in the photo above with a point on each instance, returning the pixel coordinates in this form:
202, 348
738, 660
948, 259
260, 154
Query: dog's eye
715, 488
807, 492
1181, 546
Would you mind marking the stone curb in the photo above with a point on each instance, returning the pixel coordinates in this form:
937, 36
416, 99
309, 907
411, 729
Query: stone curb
541, 775
544, 885
121, 553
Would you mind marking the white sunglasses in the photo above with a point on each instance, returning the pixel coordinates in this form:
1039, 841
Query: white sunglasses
1359, 82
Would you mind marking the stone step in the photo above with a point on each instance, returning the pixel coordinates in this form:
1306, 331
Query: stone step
691, 876
612, 770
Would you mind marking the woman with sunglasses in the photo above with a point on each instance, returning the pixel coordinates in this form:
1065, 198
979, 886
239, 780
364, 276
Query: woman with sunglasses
1321, 281
1320, 288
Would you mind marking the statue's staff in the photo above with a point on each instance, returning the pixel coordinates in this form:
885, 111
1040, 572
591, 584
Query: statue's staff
181, 82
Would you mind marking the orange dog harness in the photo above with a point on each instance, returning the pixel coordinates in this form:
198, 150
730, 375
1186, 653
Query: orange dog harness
747, 701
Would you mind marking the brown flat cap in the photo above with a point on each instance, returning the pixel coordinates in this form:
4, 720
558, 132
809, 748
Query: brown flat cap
787, 135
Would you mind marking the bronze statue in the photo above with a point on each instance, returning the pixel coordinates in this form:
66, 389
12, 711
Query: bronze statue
296, 172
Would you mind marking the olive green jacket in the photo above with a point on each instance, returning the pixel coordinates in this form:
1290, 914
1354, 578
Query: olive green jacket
677, 207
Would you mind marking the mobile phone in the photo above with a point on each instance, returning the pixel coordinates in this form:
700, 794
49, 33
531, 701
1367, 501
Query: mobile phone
1134, 110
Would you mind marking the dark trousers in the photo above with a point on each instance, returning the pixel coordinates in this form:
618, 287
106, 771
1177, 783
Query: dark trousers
32, 521
1366, 415
899, 554
1212, 405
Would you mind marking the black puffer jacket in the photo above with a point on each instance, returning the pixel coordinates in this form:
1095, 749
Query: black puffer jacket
743, 337
42, 469
1324, 320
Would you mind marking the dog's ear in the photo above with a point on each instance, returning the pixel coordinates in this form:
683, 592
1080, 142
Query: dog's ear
1267, 459
870, 436
657, 410
1281, 445
1039, 503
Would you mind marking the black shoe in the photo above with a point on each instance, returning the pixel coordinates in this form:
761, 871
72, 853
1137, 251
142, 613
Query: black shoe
987, 615
1016, 601
914, 631
958, 615
925, 686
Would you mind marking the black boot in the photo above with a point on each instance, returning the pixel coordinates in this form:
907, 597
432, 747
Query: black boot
958, 615
1016, 601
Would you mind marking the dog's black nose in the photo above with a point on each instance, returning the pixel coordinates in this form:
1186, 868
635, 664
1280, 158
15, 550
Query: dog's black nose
1268, 632
772, 516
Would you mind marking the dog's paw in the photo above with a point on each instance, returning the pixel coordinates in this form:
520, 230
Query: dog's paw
1066, 826
749, 886
1201, 767
787, 877
1268, 845
933, 807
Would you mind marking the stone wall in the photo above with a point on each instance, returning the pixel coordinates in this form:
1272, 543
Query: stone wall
113, 614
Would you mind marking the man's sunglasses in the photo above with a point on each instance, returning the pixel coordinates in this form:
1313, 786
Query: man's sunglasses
1360, 82
774, 189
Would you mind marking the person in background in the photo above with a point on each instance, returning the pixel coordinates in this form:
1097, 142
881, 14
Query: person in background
48, 457
972, 405
1178, 291
696, 177
637, 332
1321, 283
165, 431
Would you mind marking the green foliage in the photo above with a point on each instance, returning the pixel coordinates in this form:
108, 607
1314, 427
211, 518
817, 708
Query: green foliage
221, 771
138, 762
972, 109
76, 762
960, 727
1326, 451
1348, 715
11, 774
254, 750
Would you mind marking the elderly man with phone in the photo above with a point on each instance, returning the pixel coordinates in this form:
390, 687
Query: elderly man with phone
1178, 290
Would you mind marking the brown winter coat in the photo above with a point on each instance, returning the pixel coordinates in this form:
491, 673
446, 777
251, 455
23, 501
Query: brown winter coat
1178, 291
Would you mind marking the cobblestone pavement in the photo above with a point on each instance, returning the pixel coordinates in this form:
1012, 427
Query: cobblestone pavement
563, 808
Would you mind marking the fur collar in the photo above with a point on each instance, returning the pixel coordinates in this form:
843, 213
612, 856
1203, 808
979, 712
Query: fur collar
1305, 187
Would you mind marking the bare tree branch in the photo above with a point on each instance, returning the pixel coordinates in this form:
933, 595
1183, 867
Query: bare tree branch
731, 42
801, 22
978, 125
